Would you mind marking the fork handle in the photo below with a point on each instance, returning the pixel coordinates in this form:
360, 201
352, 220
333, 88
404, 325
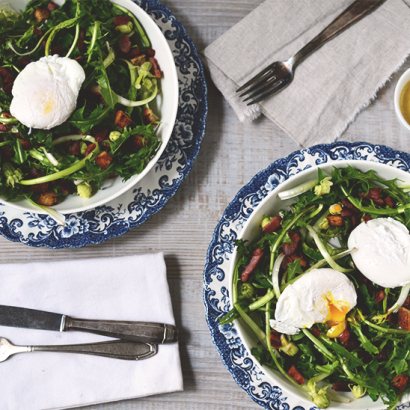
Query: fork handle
356, 11
116, 349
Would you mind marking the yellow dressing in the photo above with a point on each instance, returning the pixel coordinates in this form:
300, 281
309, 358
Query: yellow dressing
404, 102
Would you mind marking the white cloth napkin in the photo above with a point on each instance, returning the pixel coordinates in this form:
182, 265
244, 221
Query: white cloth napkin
127, 288
333, 84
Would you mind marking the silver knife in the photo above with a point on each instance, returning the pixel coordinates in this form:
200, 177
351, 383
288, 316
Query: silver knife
133, 331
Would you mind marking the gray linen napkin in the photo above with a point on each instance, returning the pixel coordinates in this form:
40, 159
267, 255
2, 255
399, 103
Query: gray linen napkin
333, 84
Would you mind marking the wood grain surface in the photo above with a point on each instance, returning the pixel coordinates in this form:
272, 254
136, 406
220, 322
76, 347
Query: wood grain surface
232, 153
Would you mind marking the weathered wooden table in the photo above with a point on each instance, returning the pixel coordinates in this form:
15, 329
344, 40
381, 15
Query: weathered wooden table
232, 153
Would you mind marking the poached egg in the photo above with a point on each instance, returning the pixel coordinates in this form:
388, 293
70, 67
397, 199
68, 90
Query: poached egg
383, 251
45, 93
320, 296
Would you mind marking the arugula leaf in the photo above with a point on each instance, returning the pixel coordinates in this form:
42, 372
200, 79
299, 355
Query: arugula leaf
294, 268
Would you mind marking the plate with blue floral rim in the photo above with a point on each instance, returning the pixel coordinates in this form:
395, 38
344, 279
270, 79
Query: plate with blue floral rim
245, 370
148, 196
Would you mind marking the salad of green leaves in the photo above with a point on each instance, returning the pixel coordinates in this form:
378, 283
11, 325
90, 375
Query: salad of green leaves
370, 353
112, 131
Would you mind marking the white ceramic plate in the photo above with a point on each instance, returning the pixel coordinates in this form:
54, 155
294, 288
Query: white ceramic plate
167, 103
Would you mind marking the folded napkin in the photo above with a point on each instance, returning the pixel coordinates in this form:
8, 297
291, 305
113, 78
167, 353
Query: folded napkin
333, 84
127, 288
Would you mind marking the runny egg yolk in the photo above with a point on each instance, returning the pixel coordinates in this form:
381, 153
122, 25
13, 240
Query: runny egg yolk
336, 317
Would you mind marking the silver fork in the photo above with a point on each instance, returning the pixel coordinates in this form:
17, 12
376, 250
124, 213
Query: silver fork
115, 349
279, 74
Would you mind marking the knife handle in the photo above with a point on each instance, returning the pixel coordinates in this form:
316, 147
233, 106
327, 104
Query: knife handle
146, 332
116, 349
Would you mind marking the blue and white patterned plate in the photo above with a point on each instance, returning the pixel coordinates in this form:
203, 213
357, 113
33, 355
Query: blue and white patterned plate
244, 369
161, 183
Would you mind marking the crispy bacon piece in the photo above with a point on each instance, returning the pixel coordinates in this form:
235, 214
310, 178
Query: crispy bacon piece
52, 6
103, 160
296, 375
346, 212
294, 237
49, 198
139, 60
23, 62
335, 220
272, 225
257, 256
133, 53
285, 262
41, 14
7, 76
121, 20
379, 296
289, 248
7, 89
389, 202
150, 52
302, 261
89, 149
275, 340
81, 38
407, 302
122, 120
34, 173
125, 44
393, 318
374, 193
38, 32
155, 70
400, 383
341, 386
355, 220
8, 115
25, 144
404, 318
6, 152
3, 128
149, 116
347, 204
344, 336
367, 218
100, 133
75, 148
382, 356
315, 331
65, 186
40, 188
136, 142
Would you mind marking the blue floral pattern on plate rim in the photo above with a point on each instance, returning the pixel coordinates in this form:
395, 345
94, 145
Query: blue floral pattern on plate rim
245, 371
147, 197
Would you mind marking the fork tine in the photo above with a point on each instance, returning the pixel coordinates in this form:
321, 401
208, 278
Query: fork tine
272, 90
259, 85
263, 73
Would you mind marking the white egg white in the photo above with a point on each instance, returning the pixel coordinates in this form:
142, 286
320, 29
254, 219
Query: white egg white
45, 93
382, 251
307, 301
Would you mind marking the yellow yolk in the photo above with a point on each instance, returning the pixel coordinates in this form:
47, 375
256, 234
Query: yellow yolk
336, 317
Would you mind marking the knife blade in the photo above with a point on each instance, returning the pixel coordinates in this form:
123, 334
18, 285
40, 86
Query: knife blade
147, 332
